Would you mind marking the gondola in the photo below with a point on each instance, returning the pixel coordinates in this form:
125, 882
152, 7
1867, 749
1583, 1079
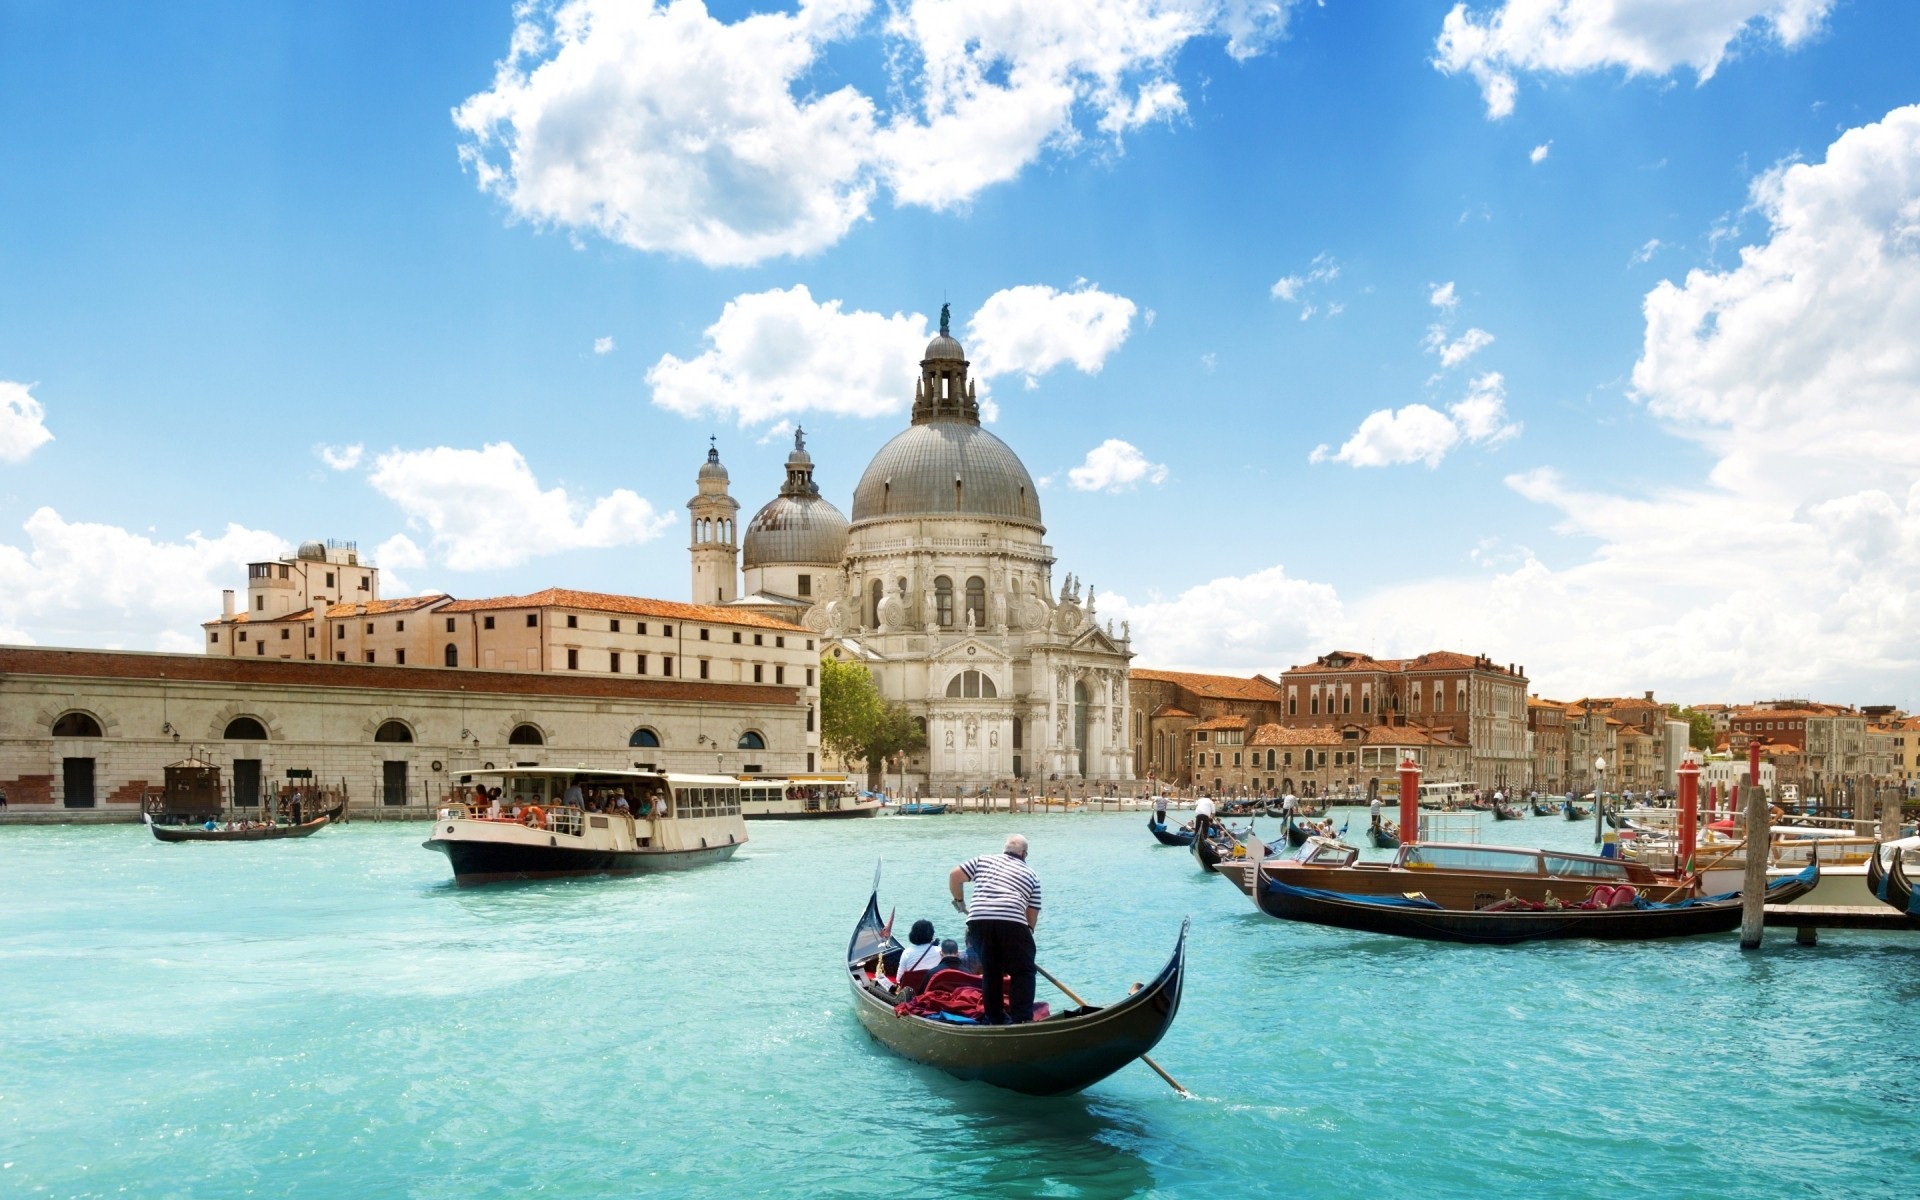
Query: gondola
1382, 839
1296, 836
1541, 810
1503, 813
258, 833
1062, 1054
1169, 837
1412, 915
1574, 812
1215, 847
1899, 892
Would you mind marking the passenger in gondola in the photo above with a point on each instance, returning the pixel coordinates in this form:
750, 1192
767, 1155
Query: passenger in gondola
920, 958
951, 959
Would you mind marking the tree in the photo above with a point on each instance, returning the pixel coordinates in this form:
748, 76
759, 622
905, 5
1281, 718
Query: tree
850, 708
1699, 726
896, 732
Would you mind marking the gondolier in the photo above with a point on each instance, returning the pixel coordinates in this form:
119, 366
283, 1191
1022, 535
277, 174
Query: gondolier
1002, 917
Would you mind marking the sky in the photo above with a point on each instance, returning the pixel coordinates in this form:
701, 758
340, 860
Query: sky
1581, 334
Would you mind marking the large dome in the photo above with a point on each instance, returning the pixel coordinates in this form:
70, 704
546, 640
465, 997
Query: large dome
946, 468
795, 529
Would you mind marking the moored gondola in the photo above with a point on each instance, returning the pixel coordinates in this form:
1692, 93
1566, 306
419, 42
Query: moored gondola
1061, 1054
1899, 891
1169, 837
1412, 915
1877, 874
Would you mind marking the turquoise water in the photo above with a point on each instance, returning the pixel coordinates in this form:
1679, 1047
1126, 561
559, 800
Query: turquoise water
330, 1017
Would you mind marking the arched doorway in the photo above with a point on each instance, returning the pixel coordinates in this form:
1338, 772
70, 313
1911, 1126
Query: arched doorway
1080, 725
526, 735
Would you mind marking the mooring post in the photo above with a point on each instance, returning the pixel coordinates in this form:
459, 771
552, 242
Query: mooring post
1889, 814
1753, 889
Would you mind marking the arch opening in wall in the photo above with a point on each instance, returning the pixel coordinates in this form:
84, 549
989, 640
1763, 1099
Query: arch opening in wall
943, 601
77, 725
393, 731
751, 740
526, 735
977, 602
644, 737
971, 685
452, 655
245, 729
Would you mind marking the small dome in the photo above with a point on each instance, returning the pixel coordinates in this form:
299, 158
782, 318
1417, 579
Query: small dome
711, 469
313, 551
795, 529
946, 469
943, 346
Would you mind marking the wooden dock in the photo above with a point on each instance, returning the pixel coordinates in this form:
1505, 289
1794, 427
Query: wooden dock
1808, 919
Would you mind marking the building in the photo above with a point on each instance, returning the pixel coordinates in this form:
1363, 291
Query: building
942, 585
96, 729
1547, 745
1166, 705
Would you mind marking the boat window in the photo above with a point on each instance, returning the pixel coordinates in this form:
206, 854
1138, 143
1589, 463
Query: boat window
1585, 868
1472, 858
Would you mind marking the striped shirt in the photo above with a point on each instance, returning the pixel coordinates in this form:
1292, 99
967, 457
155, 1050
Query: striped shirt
1004, 888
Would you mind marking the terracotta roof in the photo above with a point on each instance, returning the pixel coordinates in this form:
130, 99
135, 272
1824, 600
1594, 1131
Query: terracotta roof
1340, 662
1224, 723
1169, 710
1281, 735
375, 608
1217, 687
638, 606
1409, 735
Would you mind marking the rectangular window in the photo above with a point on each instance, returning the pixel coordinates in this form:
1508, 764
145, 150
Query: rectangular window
309, 631
703, 668
704, 633
613, 661
639, 664
399, 658
243, 635
756, 673
533, 620
573, 622
259, 647
260, 602
806, 585
757, 641
666, 631
809, 676
449, 624
364, 581
1216, 758
369, 626
213, 637
340, 631
736, 637
809, 643
1236, 758
779, 674
369, 656
285, 634
339, 656
329, 578
613, 626
487, 622
666, 665
399, 626
642, 629
573, 660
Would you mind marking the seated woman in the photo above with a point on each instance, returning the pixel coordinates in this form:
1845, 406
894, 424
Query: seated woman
920, 957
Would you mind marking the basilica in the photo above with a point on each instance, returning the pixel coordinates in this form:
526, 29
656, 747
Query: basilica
942, 585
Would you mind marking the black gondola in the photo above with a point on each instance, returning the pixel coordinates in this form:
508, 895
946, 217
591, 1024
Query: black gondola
1877, 875
1215, 847
1296, 836
1383, 838
1502, 812
1169, 837
1898, 890
1541, 810
1574, 812
1061, 1054
254, 832
1415, 917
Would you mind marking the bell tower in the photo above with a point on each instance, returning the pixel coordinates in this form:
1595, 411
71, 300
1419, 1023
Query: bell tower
715, 547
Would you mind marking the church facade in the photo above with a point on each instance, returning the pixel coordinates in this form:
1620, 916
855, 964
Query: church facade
942, 585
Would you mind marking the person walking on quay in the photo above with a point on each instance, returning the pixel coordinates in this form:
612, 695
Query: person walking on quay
1001, 919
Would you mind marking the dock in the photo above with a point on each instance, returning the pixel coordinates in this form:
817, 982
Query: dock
1808, 919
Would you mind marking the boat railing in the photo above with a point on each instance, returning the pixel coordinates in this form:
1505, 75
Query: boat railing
557, 818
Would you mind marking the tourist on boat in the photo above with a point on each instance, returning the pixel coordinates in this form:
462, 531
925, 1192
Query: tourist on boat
1004, 912
493, 804
951, 959
922, 952
572, 797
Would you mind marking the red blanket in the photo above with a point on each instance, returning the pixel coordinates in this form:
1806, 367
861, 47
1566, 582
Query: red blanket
959, 994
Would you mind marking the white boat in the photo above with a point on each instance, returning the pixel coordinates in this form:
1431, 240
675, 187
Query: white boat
1842, 855
804, 797
618, 822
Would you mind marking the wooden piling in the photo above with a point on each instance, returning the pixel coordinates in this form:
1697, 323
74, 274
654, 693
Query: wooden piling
1889, 814
1753, 889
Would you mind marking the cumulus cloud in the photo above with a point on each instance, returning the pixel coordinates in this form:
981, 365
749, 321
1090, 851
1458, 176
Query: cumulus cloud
776, 354
399, 552
1443, 298
1238, 623
1453, 353
341, 458
663, 128
84, 584
1567, 37
1115, 466
1538, 154
22, 422
603, 345
484, 508
1031, 329
1420, 433
1297, 289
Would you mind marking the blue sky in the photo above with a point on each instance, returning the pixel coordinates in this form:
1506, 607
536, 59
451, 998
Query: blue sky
1576, 338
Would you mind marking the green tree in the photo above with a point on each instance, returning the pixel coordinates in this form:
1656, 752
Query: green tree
1699, 726
857, 724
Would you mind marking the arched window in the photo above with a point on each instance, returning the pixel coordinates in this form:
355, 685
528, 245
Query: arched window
453, 655
751, 740
245, 729
1346, 702
1366, 702
393, 731
526, 735
1269, 766
1293, 706
876, 591
1316, 704
971, 685
977, 602
943, 601
76, 724
644, 737
1439, 699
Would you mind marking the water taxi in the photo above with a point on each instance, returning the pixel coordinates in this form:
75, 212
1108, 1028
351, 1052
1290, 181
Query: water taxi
549, 822
804, 797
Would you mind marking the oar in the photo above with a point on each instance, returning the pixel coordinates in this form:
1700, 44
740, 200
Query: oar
1157, 1070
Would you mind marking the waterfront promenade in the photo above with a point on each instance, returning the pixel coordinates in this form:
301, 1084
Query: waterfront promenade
331, 1017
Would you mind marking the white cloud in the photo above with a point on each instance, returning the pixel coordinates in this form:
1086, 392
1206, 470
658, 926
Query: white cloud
603, 345
1387, 438
1031, 329
1539, 153
22, 422
1646, 252
663, 128
85, 584
777, 354
1453, 353
1232, 624
1567, 37
1115, 466
399, 552
1482, 413
1443, 298
1295, 289
484, 508
341, 458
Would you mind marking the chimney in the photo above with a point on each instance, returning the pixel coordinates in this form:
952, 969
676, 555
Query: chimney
226, 603
1649, 697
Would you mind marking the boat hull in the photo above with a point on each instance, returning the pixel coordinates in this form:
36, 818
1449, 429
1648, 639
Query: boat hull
195, 833
479, 862
1169, 837
827, 814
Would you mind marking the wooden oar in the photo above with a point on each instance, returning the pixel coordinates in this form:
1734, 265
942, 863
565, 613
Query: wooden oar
1157, 1069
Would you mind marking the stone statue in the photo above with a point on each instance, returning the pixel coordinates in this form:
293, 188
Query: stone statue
973, 731
999, 612
799, 439
1126, 632
945, 316
993, 739
949, 739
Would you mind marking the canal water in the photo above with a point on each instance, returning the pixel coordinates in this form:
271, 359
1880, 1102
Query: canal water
330, 1017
